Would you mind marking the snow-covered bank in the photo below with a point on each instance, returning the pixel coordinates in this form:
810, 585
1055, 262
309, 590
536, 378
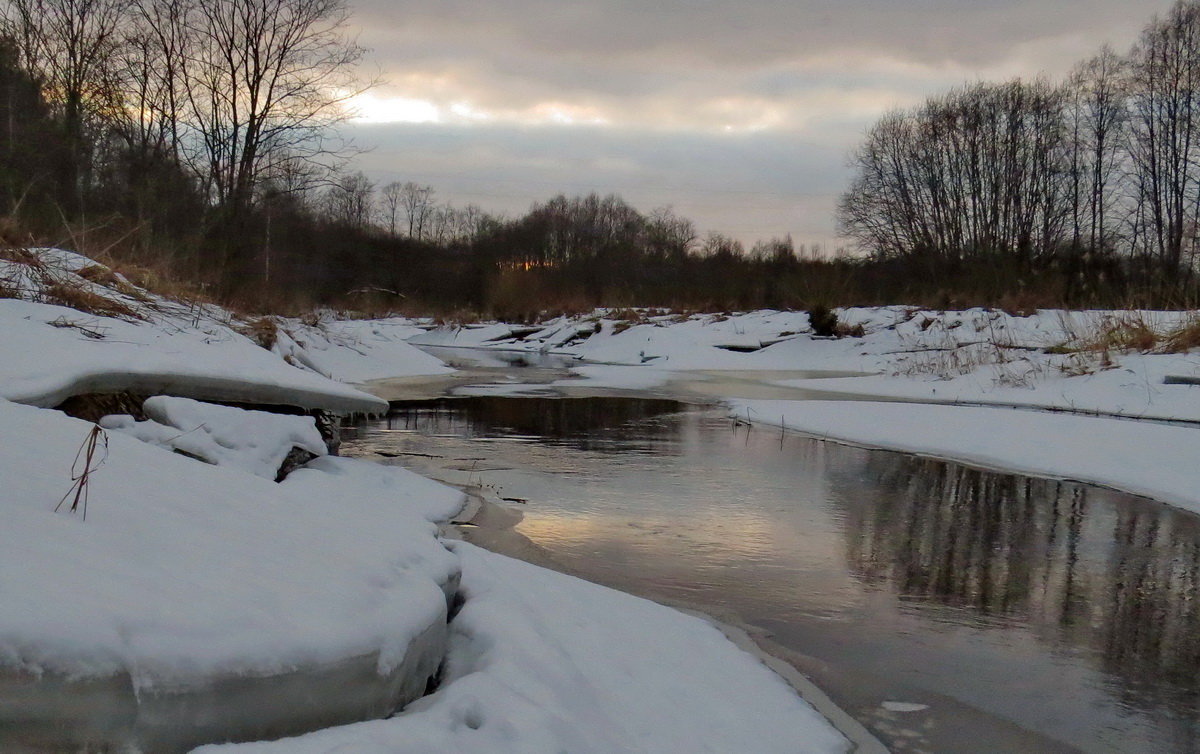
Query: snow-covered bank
1073, 361
54, 355
185, 573
542, 662
352, 350
125, 338
1145, 458
198, 600
76, 327
1105, 363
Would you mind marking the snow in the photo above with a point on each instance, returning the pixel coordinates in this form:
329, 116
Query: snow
209, 361
1145, 458
357, 350
617, 377
543, 662
184, 571
253, 441
161, 347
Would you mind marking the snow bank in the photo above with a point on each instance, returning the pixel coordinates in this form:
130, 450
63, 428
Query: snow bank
208, 361
662, 341
1145, 458
976, 356
357, 350
183, 571
253, 441
139, 342
543, 662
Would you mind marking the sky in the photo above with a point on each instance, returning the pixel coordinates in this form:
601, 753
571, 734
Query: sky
739, 114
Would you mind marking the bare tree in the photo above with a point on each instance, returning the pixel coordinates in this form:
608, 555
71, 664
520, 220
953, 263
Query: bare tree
262, 77
390, 201
1165, 138
1097, 89
417, 202
350, 200
70, 47
978, 171
155, 90
669, 236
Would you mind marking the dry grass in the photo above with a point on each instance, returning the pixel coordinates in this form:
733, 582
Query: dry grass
37, 280
1183, 338
264, 331
19, 255
85, 329
91, 456
80, 297
160, 281
856, 330
100, 275
1125, 332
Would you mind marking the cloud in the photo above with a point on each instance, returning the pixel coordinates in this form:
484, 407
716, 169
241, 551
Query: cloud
752, 186
673, 100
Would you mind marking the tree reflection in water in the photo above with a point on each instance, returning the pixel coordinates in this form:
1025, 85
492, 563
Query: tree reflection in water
1117, 580
595, 424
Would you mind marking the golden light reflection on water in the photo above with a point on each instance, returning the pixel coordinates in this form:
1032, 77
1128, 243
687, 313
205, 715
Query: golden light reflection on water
899, 569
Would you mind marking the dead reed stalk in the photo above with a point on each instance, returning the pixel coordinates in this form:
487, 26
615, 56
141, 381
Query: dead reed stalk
97, 439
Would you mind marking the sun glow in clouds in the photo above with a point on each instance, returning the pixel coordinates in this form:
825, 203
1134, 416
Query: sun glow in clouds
370, 108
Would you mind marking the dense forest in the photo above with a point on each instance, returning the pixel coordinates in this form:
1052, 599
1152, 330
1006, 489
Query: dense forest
197, 140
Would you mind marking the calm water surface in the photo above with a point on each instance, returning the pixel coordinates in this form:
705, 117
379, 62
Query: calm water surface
1023, 614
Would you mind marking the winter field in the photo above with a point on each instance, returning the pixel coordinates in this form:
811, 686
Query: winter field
187, 575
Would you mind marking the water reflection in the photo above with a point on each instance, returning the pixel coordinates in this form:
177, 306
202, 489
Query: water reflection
1068, 610
585, 424
1119, 579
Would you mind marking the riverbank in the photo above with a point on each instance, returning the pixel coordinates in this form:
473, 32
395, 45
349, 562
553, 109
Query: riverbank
1067, 395
139, 540
882, 575
151, 558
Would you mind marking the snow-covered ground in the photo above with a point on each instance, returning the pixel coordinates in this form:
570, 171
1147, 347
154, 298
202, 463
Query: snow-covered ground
184, 569
187, 574
543, 663
192, 565
351, 350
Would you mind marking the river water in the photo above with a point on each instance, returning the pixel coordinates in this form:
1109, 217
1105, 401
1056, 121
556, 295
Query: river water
946, 608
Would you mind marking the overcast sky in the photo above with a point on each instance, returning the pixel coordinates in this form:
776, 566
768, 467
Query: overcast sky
738, 113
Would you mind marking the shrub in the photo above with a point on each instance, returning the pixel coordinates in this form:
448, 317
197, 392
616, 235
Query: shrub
823, 321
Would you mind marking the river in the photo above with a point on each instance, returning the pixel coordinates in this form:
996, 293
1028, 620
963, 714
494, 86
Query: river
946, 608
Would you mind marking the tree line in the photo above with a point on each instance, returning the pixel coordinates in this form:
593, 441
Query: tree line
201, 136
174, 122
1094, 180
